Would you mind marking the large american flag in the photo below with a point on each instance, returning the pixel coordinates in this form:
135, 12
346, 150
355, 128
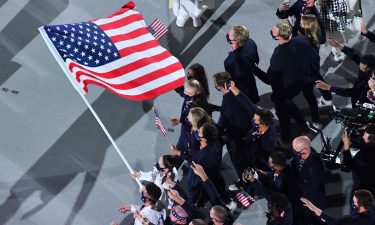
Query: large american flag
117, 53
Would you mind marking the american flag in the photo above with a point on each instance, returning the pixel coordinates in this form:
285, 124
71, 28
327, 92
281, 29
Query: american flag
157, 29
158, 123
244, 198
117, 53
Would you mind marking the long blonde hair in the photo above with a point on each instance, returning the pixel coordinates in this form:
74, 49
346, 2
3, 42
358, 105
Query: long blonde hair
310, 24
199, 117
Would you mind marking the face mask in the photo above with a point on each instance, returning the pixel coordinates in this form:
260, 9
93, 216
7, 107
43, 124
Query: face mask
157, 167
196, 135
228, 39
143, 197
298, 157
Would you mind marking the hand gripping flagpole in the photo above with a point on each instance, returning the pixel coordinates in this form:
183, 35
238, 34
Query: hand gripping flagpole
81, 93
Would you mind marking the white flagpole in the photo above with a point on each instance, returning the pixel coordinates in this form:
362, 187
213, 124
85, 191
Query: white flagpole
81, 93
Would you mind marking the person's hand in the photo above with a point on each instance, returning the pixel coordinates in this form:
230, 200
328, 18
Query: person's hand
174, 121
334, 43
114, 222
198, 170
135, 175
363, 28
311, 206
322, 85
169, 181
370, 95
175, 151
345, 140
283, 6
173, 194
138, 216
124, 208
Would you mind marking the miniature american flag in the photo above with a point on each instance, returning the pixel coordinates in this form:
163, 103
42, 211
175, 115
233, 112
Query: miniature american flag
158, 123
157, 29
244, 198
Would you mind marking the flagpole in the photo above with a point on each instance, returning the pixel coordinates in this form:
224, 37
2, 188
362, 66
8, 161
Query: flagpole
81, 93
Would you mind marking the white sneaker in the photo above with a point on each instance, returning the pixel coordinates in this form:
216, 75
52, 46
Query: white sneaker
197, 22
275, 117
339, 55
232, 206
233, 187
323, 103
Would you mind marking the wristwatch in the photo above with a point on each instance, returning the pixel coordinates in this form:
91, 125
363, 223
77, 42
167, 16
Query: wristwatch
145, 220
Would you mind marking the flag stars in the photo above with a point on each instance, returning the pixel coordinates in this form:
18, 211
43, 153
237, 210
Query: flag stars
100, 54
101, 47
86, 47
106, 58
83, 54
95, 38
72, 40
79, 43
88, 29
57, 28
93, 50
115, 54
75, 50
53, 38
95, 32
97, 61
108, 50
68, 46
87, 40
95, 43
81, 32
61, 43
90, 57
102, 40
73, 29
86, 63
65, 32
88, 35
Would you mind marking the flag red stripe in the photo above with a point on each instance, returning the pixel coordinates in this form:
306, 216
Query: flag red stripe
131, 35
121, 22
141, 80
147, 95
139, 48
116, 72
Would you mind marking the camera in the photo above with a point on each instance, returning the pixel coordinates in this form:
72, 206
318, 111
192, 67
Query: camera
354, 121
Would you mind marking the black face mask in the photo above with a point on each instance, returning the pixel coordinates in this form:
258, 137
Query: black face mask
143, 197
298, 157
228, 39
158, 168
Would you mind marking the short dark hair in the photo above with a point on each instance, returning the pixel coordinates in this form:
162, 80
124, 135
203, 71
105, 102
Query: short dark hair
278, 202
266, 116
210, 132
222, 79
171, 161
200, 75
278, 158
220, 212
370, 130
365, 198
368, 60
198, 222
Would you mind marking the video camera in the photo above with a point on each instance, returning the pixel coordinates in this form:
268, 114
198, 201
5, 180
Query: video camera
354, 121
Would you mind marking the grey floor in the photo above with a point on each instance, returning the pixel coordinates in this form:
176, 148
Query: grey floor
56, 164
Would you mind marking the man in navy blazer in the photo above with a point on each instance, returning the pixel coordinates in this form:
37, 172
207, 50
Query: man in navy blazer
240, 61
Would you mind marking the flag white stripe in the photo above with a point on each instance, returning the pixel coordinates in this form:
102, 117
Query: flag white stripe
125, 29
135, 41
129, 76
124, 60
115, 18
146, 87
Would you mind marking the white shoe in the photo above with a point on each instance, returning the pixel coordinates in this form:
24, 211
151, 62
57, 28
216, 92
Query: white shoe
323, 103
339, 56
197, 22
273, 110
180, 21
233, 187
315, 127
232, 206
